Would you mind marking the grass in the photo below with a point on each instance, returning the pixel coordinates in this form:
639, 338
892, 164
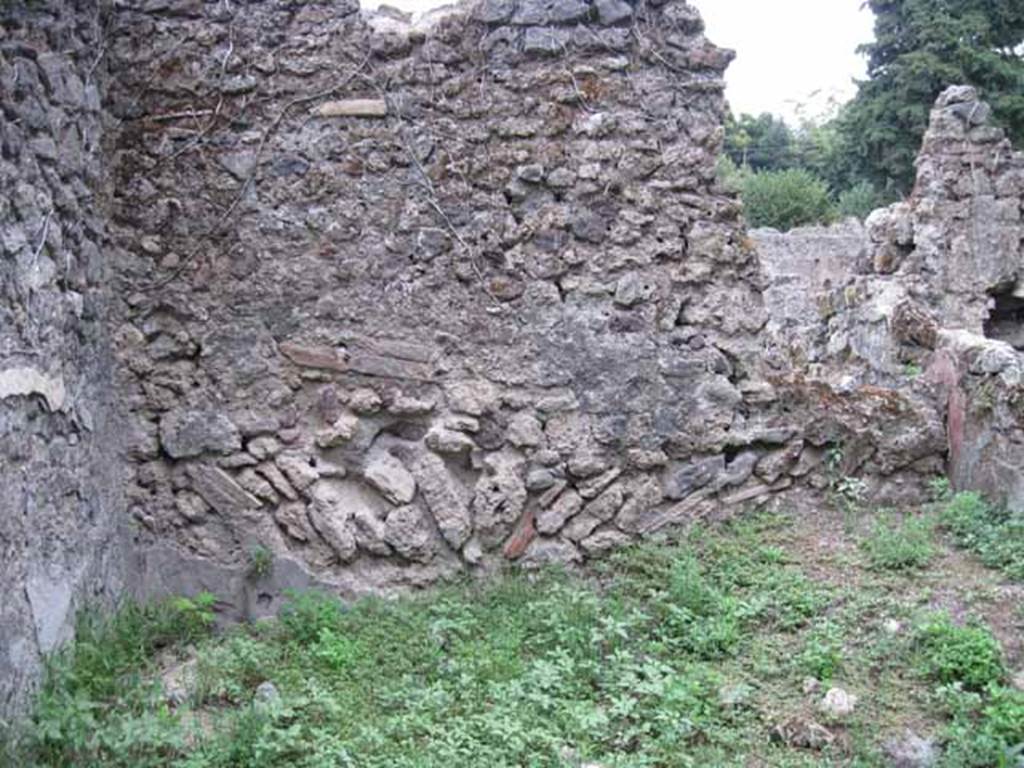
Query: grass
696, 653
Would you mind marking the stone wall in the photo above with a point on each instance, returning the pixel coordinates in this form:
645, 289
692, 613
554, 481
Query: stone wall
61, 541
390, 300
405, 299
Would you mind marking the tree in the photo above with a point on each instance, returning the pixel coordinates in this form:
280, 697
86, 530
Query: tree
764, 143
920, 48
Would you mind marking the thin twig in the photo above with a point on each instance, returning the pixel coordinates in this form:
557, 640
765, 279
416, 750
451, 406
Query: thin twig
42, 239
251, 177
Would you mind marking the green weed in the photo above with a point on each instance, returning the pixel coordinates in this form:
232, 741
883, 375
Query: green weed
995, 535
899, 545
965, 655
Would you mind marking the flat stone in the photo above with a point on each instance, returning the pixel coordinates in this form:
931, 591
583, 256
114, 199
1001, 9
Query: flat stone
554, 517
611, 12
388, 475
220, 490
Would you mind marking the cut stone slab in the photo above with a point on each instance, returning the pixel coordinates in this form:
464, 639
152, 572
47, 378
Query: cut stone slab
353, 108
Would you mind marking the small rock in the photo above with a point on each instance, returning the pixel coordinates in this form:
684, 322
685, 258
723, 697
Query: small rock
811, 685
365, 400
910, 751
892, 627
734, 695
838, 703
264, 447
540, 479
441, 440
525, 431
267, 693
341, 431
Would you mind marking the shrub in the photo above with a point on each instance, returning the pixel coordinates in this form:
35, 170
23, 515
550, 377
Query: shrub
859, 200
785, 199
968, 655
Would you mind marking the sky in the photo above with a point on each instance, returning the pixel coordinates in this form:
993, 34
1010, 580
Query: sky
794, 57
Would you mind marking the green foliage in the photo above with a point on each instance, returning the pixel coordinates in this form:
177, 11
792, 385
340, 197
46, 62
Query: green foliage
664, 655
761, 143
261, 562
940, 489
309, 614
968, 656
899, 545
109, 660
822, 654
860, 200
920, 48
995, 535
785, 199
986, 728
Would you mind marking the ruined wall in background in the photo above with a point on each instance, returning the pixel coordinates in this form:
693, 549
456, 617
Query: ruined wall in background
926, 298
61, 542
403, 301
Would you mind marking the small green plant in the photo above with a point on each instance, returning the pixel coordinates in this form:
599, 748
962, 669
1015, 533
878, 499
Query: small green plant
995, 535
261, 562
912, 370
969, 656
785, 199
940, 489
308, 614
822, 654
899, 545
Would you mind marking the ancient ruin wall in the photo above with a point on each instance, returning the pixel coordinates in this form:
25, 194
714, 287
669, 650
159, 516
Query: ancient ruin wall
401, 301
926, 298
61, 544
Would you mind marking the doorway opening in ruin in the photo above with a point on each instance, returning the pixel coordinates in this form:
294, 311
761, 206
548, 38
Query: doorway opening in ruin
1006, 318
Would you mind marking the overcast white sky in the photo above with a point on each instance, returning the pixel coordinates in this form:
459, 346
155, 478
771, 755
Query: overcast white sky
789, 52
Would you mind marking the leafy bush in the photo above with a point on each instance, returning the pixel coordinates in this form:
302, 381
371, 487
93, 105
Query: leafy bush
987, 728
899, 545
308, 615
996, 535
965, 655
859, 200
785, 199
